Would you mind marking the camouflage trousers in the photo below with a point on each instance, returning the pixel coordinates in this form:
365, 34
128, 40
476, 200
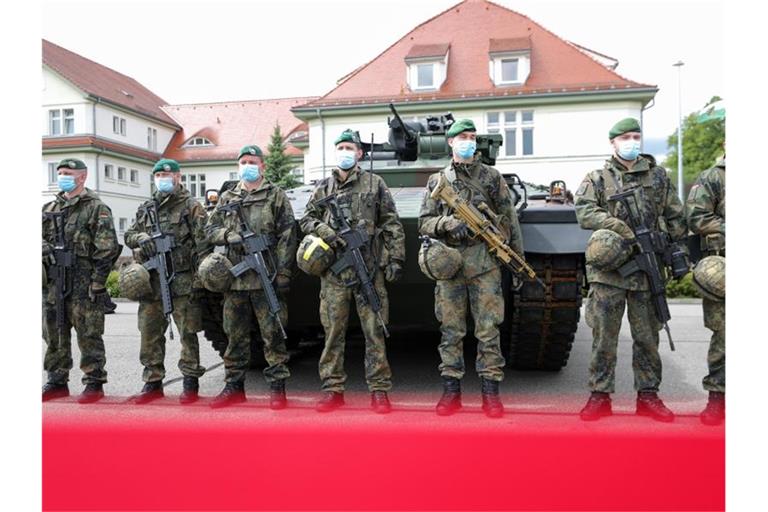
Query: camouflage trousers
714, 319
334, 315
88, 320
484, 296
605, 310
153, 325
240, 307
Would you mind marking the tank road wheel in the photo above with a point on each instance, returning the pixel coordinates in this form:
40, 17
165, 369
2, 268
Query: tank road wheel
541, 322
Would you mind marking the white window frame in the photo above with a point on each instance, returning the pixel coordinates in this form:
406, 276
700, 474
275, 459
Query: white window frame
119, 125
53, 173
122, 224
439, 72
67, 117
512, 120
109, 172
196, 179
198, 142
54, 115
152, 138
134, 173
234, 175
514, 80
121, 173
523, 59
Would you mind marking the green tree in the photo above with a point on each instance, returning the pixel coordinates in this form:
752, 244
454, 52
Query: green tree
702, 145
278, 165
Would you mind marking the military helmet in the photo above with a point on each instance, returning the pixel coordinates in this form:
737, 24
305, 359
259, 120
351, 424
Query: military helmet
709, 277
134, 282
314, 255
214, 272
606, 250
438, 261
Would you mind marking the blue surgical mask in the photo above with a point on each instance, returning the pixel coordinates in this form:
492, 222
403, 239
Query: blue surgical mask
628, 149
164, 184
345, 159
464, 148
250, 172
66, 182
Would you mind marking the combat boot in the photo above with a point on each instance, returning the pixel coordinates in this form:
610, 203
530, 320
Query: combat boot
649, 404
450, 402
233, 393
714, 412
492, 405
598, 405
151, 391
93, 392
53, 390
277, 398
380, 402
330, 401
190, 387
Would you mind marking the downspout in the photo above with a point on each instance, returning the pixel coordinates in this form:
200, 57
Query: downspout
642, 110
98, 100
322, 127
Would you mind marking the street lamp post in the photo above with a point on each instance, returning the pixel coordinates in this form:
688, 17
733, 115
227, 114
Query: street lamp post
680, 185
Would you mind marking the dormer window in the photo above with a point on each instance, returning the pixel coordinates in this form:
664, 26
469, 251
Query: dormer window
509, 61
427, 66
198, 142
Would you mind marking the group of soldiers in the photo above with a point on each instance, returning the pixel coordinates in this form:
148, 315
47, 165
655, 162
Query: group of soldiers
248, 247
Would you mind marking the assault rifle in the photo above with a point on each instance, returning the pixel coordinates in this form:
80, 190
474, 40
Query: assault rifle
482, 225
63, 264
162, 260
648, 243
255, 247
356, 240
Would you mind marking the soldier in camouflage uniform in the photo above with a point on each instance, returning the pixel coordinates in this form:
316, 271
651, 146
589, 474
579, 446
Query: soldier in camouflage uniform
182, 216
90, 234
609, 291
477, 286
706, 217
365, 199
267, 211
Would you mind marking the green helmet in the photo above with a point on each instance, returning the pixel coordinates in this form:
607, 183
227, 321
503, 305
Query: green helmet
438, 261
314, 255
134, 282
606, 250
214, 272
709, 278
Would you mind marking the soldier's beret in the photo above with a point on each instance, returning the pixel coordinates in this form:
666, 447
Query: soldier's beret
71, 163
626, 125
462, 125
348, 136
252, 150
166, 165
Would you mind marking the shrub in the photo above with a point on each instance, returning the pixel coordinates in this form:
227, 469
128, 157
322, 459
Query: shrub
112, 287
682, 288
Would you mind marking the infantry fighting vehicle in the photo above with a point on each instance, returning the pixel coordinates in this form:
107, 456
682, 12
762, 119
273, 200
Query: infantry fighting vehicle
540, 322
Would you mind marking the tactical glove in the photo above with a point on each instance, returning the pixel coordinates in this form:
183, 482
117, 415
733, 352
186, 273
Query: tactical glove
454, 228
282, 281
147, 245
620, 227
393, 272
97, 293
47, 249
330, 237
233, 238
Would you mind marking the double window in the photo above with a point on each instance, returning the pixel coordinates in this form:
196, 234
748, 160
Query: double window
109, 171
198, 141
61, 121
516, 127
53, 174
119, 125
195, 183
152, 139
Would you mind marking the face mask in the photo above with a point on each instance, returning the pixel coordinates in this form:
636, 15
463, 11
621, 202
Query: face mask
628, 149
464, 148
164, 184
66, 183
345, 159
250, 172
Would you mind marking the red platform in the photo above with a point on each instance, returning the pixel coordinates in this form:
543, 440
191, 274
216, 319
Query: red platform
163, 456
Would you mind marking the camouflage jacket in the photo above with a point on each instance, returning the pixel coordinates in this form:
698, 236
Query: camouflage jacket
495, 193
267, 211
362, 197
706, 209
90, 231
184, 217
594, 211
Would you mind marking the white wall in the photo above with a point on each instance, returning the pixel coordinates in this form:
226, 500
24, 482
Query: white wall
136, 128
569, 140
60, 94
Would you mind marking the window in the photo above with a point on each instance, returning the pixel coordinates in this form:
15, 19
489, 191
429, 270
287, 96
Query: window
425, 76
69, 121
152, 139
509, 70
121, 173
109, 171
52, 173
54, 122
122, 224
199, 141
118, 125
134, 176
195, 183
516, 128
234, 175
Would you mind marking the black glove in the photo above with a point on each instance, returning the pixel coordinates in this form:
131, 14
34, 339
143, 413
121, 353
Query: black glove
393, 272
454, 228
282, 282
147, 245
97, 293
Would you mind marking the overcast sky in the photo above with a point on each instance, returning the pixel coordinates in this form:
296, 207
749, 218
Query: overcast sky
204, 51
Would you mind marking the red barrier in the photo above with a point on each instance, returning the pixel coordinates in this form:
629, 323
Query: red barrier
162, 456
